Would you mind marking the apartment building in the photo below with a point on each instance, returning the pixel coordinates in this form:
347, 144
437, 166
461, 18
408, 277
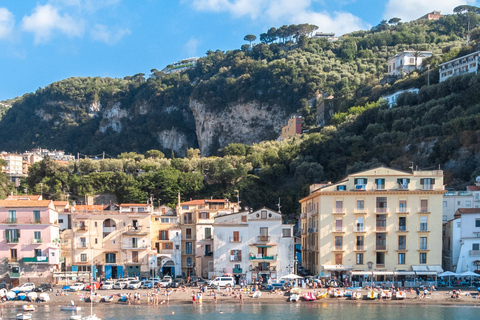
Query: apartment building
406, 62
29, 239
459, 66
293, 128
374, 223
253, 245
14, 167
196, 222
454, 200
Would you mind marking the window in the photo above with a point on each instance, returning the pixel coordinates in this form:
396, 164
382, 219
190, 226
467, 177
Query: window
96, 241
204, 215
477, 223
264, 214
236, 236
37, 237
263, 234
423, 243
208, 233
12, 216
188, 248
381, 222
444, 204
402, 206
244, 218
381, 204
401, 258
339, 225
208, 250
135, 225
338, 258
359, 224
380, 258
403, 183
13, 254
236, 255
380, 183
134, 243
95, 224
359, 243
423, 258
36, 216
188, 233
423, 223
83, 257
381, 241
359, 258
424, 205
360, 183
134, 256
189, 262
360, 204
163, 235
427, 183
475, 246
468, 203
341, 188
286, 233
339, 206
37, 252
60, 220
402, 223
110, 258
339, 243
402, 242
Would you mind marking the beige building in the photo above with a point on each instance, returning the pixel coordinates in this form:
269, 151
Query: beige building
374, 223
115, 238
196, 221
293, 128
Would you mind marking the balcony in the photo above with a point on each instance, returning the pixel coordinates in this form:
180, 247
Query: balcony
381, 247
339, 211
338, 230
12, 259
110, 261
427, 186
402, 229
360, 211
189, 221
359, 248
423, 210
260, 268
239, 239
131, 246
403, 210
380, 229
37, 240
423, 248
338, 248
235, 258
166, 251
10, 220
313, 248
189, 252
81, 229
312, 230
237, 270
423, 230
382, 210
360, 229
208, 254
263, 238
38, 259
360, 187
138, 230
303, 216
13, 241
82, 245
402, 248
190, 265
474, 253
261, 257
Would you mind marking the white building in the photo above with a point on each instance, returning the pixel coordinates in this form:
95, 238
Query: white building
454, 200
253, 245
181, 65
405, 62
459, 66
475, 190
461, 243
392, 98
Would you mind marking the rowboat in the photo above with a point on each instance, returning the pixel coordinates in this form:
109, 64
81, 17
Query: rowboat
28, 307
22, 316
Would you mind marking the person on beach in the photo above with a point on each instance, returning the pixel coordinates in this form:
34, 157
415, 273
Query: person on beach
241, 297
215, 297
418, 292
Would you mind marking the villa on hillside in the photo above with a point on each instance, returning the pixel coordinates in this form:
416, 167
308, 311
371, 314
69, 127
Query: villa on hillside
392, 98
434, 15
459, 66
406, 62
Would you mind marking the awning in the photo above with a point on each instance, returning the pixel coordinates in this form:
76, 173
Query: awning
264, 246
361, 273
404, 273
425, 273
338, 267
383, 273
437, 269
419, 268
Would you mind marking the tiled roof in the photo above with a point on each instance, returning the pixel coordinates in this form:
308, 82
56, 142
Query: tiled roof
60, 203
24, 197
192, 202
89, 207
134, 205
473, 188
24, 203
215, 200
468, 210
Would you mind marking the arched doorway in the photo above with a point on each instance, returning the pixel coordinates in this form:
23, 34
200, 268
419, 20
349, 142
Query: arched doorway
109, 226
167, 266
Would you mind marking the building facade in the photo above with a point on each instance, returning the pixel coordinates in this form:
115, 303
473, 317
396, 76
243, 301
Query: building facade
406, 62
459, 66
253, 246
392, 98
454, 200
434, 15
380, 220
293, 128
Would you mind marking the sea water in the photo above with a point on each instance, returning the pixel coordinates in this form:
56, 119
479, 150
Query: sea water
289, 311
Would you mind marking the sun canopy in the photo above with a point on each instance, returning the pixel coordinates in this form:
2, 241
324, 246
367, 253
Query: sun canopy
448, 274
291, 276
469, 274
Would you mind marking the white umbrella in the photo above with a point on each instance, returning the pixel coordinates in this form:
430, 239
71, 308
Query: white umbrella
448, 274
291, 276
469, 274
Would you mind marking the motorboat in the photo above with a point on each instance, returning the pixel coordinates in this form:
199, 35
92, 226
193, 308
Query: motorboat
256, 294
338, 293
44, 297
294, 295
309, 297
22, 316
21, 296
357, 295
76, 317
10, 295
400, 295
32, 296
28, 307
322, 295
372, 295
70, 308
348, 294
388, 294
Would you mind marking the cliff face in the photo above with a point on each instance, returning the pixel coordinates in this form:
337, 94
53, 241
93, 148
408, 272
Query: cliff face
238, 123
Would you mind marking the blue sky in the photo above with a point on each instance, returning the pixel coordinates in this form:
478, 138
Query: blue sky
49, 40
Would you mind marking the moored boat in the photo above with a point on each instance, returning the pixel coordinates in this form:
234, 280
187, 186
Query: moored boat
44, 297
10, 295
21, 296
372, 295
106, 299
309, 296
322, 295
294, 295
22, 316
337, 293
70, 308
400, 295
357, 295
32, 296
28, 307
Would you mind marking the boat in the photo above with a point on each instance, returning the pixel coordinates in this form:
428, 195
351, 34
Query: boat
32, 296
10, 295
256, 294
22, 316
294, 295
21, 296
388, 294
372, 295
400, 295
338, 293
92, 316
357, 295
70, 308
106, 299
44, 297
348, 294
309, 297
3, 293
322, 295
28, 307
76, 317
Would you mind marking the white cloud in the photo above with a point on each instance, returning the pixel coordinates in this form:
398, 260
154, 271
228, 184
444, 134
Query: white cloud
7, 22
46, 20
284, 11
101, 33
191, 47
403, 8
88, 5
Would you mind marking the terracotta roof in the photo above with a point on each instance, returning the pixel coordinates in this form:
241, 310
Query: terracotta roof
468, 210
133, 205
24, 203
89, 208
473, 188
23, 197
215, 200
192, 202
60, 203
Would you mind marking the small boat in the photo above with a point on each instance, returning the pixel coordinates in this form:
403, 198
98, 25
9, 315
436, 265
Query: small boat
70, 308
22, 316
21, 296
256, 294
44, 297
388, 294
106, 299
294, 295
338, 293
309, 297
400, 295
348, 294
28, 307
91, 317
32, 296
10, 295
357, 295
322, 295
372, 295
76, 317
3, 293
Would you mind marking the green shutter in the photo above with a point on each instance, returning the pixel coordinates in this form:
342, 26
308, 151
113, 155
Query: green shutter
376, 181
408, 180
355, 181
7, 235
399, 181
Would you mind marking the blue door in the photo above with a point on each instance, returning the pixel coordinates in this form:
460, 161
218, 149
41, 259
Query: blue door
119, 272
74, 269
108, 272
94, 273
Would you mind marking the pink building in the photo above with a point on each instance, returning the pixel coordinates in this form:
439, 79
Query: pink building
29, 237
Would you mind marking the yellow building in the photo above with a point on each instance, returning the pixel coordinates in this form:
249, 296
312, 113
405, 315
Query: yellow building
116, 238
293, 128
196, 222
374, 224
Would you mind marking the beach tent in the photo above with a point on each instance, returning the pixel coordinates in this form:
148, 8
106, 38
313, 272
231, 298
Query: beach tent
448, 274
470, 274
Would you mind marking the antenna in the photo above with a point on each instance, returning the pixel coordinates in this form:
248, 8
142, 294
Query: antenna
279, 206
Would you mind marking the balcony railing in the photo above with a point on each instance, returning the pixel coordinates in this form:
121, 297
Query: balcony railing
338, 229
339, 211
338, 248
37, 240
424, 229
303, 216
261, 257
130, 246
423, 248
189, 221
237, 270
166, 251
380, 228
110, 261
474, 253
260, 268
359, 248
360, 229
38, 259
82, 244
189, 252
12, 259
235, 258
239, 239
82, 228
382, 210
13, 241
381, 247
263, 238
209, 254
10, 220
403, 210
423, 210
402, 229
402, 248
427, 186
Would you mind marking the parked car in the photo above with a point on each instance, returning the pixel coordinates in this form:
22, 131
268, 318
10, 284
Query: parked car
223, 282
165, 283
120, 284
77, 286
167, 277
198, 281
43, 287
134, 284
108, 285
93, 286
26, 287
147, 284
177, 282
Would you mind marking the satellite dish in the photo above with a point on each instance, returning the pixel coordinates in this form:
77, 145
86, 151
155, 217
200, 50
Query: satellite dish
477, 179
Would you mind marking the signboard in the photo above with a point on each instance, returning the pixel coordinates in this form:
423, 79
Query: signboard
152, 261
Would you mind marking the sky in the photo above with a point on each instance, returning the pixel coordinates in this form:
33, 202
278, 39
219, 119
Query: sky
45, 41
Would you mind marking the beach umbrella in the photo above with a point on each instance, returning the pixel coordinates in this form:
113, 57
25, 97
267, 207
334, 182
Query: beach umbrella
448, 274
66, 288
469, 274
291, 276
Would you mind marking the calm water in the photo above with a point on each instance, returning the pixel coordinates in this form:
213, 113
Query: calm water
292, 311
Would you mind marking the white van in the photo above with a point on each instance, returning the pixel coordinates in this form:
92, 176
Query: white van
223, 282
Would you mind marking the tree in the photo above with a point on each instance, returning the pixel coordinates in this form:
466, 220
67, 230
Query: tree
394, 21
154, 154
417, 54
250, 38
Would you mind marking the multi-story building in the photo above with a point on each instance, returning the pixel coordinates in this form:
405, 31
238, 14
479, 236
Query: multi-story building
253, 245
326, 108
115, 239
459, 66
475, 190
392, 98
434, 15
380, 220
29, 239
461, 241
14, 167
293, 128
453, 200
167, 240
196, 222
181, 65
406, 62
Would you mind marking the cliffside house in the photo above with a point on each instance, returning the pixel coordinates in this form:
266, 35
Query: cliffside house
293, 128
459, 66
434, 15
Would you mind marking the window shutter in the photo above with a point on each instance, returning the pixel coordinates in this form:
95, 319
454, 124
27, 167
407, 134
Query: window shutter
18, 233
7, 234
432, 181
355, 181
208, 215
408, 180
422, 181
399, 181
